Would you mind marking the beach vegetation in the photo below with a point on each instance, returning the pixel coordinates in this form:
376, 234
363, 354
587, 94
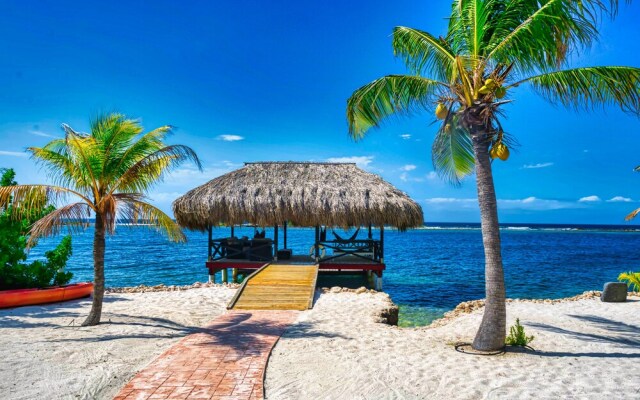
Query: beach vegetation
517, 336
15, 272
492, 47
107, 172
632, 280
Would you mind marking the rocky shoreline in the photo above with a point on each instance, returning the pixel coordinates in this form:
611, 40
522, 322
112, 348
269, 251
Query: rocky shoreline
468, 307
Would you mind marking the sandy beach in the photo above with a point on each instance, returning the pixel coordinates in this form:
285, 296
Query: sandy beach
585, 349
341, 349
46, 355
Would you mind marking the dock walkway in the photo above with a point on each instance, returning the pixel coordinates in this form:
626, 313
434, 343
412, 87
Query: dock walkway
277, 287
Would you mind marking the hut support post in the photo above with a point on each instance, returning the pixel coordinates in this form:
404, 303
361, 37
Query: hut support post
382, 244
284, 232
378, 282
275, 242
225, 275
232, 231
234, 275
370, 236
371, 279
212, 278
317, 243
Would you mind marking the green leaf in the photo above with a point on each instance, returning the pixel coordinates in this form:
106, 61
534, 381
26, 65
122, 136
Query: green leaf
369, 105
452, 152
591, 87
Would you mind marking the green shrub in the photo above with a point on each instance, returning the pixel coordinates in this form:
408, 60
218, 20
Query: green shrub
517, 337
632, 279
14, 272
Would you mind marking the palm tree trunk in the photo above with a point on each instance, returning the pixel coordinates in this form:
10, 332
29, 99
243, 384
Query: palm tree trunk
98, 273
491, 335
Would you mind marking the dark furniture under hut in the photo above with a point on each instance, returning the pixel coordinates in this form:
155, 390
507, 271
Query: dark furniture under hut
304, 194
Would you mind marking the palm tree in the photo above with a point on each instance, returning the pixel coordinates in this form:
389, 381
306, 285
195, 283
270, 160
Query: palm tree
491, 47
108, 171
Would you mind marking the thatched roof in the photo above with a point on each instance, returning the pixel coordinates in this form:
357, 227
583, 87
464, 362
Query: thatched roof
304, 193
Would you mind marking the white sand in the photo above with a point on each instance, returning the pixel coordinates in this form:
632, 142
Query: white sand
586, 349
44, 356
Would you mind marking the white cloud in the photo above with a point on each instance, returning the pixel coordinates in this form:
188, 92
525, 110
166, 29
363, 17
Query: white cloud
408, 167
529, 203
42, 134
361, 161
230, 138
431, 176
536, 204
619, 199
539, 165
405, 136
589, 199
12, 153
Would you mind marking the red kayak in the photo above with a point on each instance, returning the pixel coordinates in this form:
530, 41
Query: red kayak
27, 297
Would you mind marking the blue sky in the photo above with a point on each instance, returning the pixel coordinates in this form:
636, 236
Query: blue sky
254, 80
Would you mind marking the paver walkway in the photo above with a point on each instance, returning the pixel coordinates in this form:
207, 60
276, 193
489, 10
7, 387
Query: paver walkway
225, 361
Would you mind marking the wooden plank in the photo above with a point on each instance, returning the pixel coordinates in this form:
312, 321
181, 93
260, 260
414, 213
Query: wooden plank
278, 287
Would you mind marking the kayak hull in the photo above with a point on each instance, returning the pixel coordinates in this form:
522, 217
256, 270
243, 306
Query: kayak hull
28, 297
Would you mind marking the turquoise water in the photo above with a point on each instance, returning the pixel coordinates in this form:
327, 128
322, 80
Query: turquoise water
429, 271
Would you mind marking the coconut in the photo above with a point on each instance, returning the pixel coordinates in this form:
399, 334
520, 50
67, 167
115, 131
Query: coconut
484, 90
500, 92
490, 83
441, 111
499, 150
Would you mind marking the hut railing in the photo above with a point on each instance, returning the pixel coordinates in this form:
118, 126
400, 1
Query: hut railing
360, 248
254, 250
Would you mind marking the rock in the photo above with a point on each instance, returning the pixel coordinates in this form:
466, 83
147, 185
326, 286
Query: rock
336, 289
389, 315
614, 292
361, 290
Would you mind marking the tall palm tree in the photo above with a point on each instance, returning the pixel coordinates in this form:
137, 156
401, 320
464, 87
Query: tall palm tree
491, 47
108, 172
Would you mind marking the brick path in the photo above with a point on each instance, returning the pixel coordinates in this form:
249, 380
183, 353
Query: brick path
225, 361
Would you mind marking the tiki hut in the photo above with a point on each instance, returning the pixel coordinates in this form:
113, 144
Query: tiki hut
304, 194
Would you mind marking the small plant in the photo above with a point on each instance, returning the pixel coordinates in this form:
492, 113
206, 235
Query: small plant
517, 337
632, 279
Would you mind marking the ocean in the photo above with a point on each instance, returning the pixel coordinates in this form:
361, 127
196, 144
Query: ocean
429, 271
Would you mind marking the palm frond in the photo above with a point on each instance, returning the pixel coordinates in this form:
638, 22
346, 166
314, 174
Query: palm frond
423, 52
632, 214
591, 87
149, 170
369, 105
137, 210
27, 199
125, 156
452, 151
539, 34
73, 216
632, 279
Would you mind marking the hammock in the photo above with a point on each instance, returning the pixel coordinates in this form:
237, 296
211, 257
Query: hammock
351, 239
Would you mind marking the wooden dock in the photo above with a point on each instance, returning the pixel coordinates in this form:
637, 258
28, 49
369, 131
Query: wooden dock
277, 287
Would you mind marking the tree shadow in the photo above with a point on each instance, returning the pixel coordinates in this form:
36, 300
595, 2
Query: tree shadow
252, 336
237, 330
17, 317
624, 334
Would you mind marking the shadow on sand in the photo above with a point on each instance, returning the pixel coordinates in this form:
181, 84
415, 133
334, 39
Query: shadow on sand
76, 310
622, 334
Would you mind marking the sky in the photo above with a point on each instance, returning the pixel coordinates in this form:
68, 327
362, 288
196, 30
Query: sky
268, 81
